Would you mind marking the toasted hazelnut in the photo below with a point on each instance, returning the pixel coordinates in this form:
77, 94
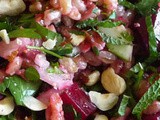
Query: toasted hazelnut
103, 101
33, 103
11, 7
6, 105
112, 82
93, 78
101, 117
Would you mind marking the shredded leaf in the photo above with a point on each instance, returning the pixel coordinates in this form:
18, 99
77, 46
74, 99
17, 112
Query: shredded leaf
28, 33
96, 23
127, 4
152, 41
147, 7
123, 105
44, 50
116, 41
152, 94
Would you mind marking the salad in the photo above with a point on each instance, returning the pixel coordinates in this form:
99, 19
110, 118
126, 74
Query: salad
79, 59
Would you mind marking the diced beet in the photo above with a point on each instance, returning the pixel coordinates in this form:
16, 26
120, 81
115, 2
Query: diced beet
151, 117
141, 38
2, 96
141, 34
76, 97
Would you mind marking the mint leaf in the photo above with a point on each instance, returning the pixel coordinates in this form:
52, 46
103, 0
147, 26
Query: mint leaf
147, 7
152, 41
32, 74
26, 18
28, 33
152, 94
94, 23
114, 36
20, 88
127, 4
123, 105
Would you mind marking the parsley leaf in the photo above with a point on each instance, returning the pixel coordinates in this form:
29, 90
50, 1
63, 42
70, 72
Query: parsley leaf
28, 33
20, 88
45, 51
32, 74
46, 33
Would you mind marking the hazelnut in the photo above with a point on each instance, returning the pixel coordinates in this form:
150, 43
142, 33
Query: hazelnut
112, 82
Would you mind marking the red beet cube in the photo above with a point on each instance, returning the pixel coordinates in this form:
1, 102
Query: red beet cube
77, 97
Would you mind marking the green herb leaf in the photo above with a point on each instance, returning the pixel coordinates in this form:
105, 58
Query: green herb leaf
5, 23
123, 105
54, 68
46, 33
147, 7
95, 50
2, 87
152, 41
63, 50
32, 74
45, 51
28, 33
20, 88
94, 23
127, 4
152, 94
113, 36
8, 117
26, 18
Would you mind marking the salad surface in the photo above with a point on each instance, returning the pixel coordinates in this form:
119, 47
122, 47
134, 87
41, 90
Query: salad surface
79, 60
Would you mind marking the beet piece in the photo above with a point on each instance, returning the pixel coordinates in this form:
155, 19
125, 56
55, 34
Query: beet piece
76, 97
2, 96
141, 38
151, 117
141, 34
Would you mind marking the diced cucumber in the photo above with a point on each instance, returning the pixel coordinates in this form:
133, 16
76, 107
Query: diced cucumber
122, 51
121, 42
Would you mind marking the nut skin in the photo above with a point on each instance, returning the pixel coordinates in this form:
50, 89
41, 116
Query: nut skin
112, 82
